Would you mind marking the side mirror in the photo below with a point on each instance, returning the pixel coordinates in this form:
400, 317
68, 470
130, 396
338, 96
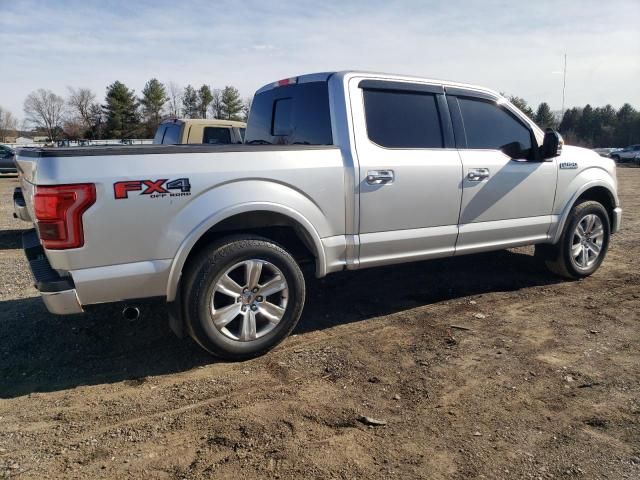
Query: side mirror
515, 150
552, 144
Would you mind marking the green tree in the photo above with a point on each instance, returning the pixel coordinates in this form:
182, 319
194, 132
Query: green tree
121, 112
586, 125
190, 102
231, 103
544, 118
154, 97
205, 97
627, 131
522, 105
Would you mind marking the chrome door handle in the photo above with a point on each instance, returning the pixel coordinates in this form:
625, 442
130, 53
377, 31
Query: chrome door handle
477, 174
380, 177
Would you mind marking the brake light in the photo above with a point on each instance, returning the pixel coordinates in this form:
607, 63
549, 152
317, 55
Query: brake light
286, 81
58, 212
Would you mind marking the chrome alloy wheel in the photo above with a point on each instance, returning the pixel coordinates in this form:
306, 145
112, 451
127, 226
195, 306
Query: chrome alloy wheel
249, 300
588, 238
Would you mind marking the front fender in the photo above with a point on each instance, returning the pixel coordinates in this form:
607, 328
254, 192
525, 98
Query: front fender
224, 201
570, 190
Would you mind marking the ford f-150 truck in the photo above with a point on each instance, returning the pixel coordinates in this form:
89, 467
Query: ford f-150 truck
343, 170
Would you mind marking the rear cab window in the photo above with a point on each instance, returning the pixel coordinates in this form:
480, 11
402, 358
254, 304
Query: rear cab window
171, 134
294, 114
216, 136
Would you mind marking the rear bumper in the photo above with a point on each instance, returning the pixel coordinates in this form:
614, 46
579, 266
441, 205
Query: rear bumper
617, 219
58, 293
20, 206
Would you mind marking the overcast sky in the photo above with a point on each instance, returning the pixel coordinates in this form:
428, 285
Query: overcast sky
507, 46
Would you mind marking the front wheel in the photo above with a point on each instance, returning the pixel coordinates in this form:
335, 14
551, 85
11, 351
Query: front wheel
583, 244
242, 296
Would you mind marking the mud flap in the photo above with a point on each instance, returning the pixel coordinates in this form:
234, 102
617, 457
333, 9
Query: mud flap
176, 318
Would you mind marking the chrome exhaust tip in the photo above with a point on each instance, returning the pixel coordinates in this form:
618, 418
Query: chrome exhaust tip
130, 313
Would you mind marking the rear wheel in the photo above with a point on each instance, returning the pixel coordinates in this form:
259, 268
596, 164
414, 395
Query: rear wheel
242, 296
583, 244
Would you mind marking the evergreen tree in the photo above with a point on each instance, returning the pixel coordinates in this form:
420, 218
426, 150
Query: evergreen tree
627, 131
205, 97
231, 103
154, 97
190, 103
585, 128
522, 105
544, 118
121, 112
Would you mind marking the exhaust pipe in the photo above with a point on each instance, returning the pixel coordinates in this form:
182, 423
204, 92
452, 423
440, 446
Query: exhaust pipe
130, 313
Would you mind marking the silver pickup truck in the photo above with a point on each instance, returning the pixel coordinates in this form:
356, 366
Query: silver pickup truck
343, 170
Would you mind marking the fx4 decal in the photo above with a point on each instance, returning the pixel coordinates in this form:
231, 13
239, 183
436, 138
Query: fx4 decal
154, 188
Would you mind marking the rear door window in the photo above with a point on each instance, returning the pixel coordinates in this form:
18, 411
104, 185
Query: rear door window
216, 136
402, 119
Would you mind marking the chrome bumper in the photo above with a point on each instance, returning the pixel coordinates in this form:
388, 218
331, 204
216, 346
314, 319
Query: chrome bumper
617, 219
58, 293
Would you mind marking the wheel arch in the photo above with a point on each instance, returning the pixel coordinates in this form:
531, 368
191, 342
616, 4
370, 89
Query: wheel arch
264, 218
597, 190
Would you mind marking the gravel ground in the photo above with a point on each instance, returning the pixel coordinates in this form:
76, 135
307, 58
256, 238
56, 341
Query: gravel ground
542, 382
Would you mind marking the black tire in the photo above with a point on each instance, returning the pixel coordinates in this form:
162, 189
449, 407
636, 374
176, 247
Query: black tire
558, 258
616, 158
201, 276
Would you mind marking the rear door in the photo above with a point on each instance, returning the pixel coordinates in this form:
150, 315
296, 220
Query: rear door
505, 201
409, 171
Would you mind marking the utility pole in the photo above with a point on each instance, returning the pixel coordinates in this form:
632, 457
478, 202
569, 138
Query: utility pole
564, 83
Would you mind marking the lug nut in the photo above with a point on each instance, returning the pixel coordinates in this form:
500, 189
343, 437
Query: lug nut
244, 308
245, 290
254, 307
259, 298
254, 289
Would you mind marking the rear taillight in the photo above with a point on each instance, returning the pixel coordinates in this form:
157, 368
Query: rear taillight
58, 211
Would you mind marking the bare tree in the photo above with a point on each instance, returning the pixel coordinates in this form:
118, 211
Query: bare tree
175, 99
45, 109
246, 108
216, 104
8, 124
80, 102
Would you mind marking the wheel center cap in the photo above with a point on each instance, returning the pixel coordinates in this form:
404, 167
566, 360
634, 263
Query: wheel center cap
247, 298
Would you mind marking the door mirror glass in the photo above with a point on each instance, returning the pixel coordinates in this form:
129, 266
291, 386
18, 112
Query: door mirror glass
515, 150
552, 144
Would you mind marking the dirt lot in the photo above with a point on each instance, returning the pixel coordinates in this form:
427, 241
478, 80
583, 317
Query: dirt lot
544, 384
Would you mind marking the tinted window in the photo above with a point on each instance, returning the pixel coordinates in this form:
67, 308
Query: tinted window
159, 134
172, 134
303, 107
490, 127
282, 120
402, 119
216, 136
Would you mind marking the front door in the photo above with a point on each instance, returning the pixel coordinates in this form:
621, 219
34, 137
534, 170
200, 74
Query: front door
505, 201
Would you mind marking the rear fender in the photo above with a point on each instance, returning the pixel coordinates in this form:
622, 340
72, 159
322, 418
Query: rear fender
225, 201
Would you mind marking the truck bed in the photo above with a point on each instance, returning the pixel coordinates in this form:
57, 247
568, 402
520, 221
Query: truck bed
104, 150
